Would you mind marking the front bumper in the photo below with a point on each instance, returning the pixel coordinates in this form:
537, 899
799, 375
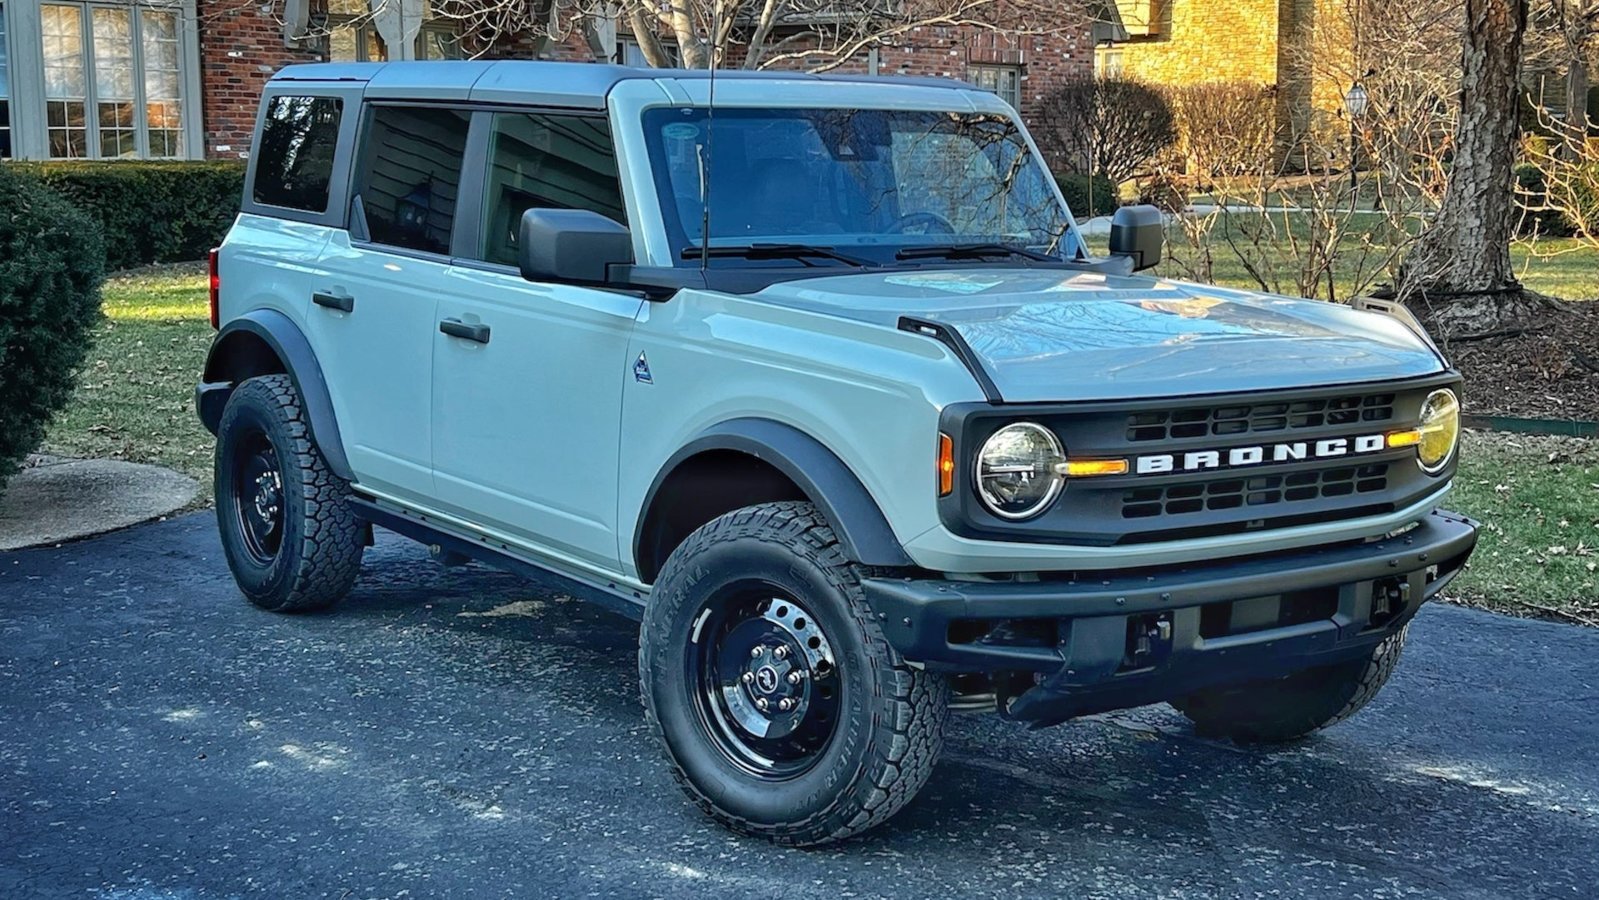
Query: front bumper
1110, 641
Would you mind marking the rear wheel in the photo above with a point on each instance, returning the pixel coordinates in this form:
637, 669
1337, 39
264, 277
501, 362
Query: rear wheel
1286, 709
290, 538
782, 709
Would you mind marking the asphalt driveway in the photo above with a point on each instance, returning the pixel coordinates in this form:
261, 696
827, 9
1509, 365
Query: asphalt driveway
465, 733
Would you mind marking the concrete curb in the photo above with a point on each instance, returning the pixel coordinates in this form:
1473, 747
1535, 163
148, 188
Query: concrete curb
54, 499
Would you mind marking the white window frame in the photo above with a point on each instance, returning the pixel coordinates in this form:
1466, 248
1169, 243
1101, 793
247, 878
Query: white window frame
5, 76
29, 120
1011, 94
365, 35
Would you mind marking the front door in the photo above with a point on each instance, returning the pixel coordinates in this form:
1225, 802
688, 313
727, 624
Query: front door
527, 384
374, 319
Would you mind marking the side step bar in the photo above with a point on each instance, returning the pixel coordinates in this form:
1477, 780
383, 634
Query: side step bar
428, 530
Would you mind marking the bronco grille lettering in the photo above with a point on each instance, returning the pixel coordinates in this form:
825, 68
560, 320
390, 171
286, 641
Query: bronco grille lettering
1292, 451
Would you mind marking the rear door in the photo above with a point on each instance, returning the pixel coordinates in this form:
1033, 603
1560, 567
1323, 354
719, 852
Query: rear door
375, 309
528, 377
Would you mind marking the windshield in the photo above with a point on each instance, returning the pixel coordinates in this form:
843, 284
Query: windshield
870, 183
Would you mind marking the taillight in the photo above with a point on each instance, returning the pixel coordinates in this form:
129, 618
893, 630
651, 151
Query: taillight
216, 288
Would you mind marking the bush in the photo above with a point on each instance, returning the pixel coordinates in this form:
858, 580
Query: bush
1537, 216
151, 212
1227, 128
51, 264
1109, 125
1088, 196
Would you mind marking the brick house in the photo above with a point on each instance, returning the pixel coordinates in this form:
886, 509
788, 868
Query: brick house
104, 79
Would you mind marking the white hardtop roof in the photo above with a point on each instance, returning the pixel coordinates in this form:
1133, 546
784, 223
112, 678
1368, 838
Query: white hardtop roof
570, 84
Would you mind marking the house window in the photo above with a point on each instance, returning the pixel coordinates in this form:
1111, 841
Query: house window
5, 92
112, 81
353, 36
1006, 81
1108, 62
629, 53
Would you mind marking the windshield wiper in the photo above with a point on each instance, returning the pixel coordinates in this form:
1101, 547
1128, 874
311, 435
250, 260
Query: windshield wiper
801, 252
972, 251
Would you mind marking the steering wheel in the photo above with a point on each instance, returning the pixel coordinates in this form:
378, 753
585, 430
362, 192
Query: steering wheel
931, 223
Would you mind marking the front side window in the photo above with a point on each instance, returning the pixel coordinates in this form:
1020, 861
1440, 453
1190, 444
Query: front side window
874, 181
294, 157
112, 81
5, 91
549, 161
1006, 81
411, 175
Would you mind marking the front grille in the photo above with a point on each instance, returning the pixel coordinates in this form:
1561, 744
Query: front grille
1252, 492
1208, 421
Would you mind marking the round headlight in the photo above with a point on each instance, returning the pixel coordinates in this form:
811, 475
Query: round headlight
1016, 475
1440, 429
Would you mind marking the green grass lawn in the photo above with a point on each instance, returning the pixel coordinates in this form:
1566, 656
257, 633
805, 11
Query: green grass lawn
135, 397
1537, 497
1561, 267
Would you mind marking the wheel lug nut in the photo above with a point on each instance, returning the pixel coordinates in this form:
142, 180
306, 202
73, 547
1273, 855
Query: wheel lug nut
761, 704
795, 677
780, 652
747, 677
756, 651
785, 704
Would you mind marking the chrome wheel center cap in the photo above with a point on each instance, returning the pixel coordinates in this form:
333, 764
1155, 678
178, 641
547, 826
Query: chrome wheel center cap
766, 678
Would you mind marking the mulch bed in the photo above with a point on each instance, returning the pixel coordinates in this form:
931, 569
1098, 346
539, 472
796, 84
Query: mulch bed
1547, 367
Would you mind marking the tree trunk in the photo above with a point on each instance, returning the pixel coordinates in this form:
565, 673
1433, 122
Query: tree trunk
1577, 94
1461, 264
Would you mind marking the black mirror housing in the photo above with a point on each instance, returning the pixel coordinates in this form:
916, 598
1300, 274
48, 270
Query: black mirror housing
1139, 233
577, 245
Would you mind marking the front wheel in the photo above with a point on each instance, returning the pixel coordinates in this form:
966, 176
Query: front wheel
1286, 709
782, 709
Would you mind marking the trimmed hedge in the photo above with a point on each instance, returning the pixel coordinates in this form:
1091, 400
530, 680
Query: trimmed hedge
51, 265
1079, 189
150, 212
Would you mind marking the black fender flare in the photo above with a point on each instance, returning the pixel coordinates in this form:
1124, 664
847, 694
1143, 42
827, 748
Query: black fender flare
863, 531
297, 360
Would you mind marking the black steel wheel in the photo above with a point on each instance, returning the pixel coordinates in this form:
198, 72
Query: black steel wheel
258, 487
783, 710
767, 688
291, 540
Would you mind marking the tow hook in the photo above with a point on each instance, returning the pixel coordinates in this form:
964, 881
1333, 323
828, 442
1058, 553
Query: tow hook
1389, 597
1148, 641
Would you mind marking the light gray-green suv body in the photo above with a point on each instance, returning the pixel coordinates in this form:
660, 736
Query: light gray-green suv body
822, 384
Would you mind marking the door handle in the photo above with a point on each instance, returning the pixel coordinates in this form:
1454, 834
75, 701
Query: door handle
334, 300
457, 328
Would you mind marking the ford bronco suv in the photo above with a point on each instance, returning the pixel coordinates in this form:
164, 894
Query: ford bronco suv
821, 382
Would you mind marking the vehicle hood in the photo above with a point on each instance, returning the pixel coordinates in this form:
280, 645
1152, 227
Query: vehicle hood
1049, 335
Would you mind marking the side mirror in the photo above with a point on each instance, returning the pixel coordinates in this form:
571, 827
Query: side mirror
571, 245
1138, 232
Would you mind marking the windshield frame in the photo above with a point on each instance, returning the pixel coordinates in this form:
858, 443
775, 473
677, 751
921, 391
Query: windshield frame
676, 237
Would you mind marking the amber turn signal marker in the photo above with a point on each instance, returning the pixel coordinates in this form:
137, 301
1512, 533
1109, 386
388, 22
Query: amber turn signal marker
946, 465
1087, 468
1408, 438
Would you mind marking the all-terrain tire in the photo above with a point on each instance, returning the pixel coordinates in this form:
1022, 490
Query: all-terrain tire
1286, 709
317, 555
889, 723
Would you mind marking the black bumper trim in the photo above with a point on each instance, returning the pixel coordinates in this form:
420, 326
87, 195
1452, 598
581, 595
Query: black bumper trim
1091, 615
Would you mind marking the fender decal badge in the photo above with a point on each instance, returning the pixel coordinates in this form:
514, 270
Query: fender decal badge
641, 370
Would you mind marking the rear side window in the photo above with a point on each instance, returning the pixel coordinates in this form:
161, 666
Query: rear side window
411, 175
551, 161
294, 157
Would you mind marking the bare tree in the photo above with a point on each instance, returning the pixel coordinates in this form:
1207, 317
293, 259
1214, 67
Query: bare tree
1564, 35
1461, 268
1109, 126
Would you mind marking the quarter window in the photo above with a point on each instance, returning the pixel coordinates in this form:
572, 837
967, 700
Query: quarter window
411, 175
1006, 81
294, 158
112, 81
549, 161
